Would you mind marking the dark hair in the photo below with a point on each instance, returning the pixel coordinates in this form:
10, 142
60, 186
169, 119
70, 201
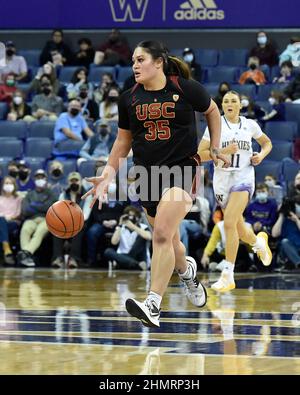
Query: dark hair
46, 76
85, 40
262, 186
75, 79
172, 64
134, 209
287, 63
58, 31
234, 93
278, 95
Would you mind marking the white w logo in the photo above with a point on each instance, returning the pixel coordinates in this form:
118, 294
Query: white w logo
198, 4
134, 10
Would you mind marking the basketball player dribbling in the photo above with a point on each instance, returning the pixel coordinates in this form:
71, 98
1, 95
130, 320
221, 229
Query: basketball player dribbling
234, 185
157, 120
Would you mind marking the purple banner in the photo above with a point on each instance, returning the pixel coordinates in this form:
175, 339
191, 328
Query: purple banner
139, 14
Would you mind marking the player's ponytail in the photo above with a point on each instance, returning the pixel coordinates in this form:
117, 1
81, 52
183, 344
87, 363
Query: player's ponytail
177, 66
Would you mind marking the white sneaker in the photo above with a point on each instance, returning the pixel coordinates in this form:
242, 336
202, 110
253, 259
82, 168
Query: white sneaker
225, 283
262, 249
147, 311
194, 290
221, 265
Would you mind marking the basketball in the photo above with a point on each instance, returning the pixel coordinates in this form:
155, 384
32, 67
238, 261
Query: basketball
64, 219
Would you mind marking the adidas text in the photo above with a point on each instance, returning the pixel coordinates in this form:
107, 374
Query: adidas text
191, 15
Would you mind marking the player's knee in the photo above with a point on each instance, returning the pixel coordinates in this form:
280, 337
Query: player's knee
229, 223
161, 236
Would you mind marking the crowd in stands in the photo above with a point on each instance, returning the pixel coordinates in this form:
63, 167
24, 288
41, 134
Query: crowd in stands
59, 120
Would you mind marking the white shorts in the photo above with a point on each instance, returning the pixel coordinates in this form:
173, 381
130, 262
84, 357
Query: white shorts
225, 182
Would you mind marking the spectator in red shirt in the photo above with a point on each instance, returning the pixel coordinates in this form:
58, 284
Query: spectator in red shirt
113, 51
8, 88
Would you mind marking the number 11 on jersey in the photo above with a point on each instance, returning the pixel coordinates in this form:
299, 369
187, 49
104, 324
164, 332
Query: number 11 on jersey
235, 161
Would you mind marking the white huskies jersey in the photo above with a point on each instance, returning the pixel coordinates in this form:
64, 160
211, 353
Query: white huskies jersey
241, 133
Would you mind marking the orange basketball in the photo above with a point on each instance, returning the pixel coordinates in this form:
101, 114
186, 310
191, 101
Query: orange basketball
64, 219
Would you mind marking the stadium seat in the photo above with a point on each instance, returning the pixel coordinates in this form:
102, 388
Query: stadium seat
246, 89
123, 74
87, 169
292, 113
96, 73
233, 57
268, 167
3, 110
264, 91
24, 88
32, 56
13, 129
206, 57
281, 131
3, 165
275, 72
222, 73
177, 52
35, 163
41, 129
212, 88
68, 148
281, 150
66, 73
289, 169
11, 148
38, 147
264, 104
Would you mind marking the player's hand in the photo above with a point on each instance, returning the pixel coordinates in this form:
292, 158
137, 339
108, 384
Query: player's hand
256, 159
204, 261
98, 191
231, 149
215, 155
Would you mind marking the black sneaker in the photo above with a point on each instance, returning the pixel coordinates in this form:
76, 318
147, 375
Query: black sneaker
147, 312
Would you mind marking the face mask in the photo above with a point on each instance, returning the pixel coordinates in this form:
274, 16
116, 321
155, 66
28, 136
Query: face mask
252, 66
13, 173
113, 98
18, 100
74, 187
272, 101
83, 95
270, 183
297, 209
297, 187
262, 196
56, 173
41, 183
132, 218
262, 40
23, 174
46, 91
112, 188
8, 188
10, 82
10, 52
103, 132
245, 102
74, 111
188, 58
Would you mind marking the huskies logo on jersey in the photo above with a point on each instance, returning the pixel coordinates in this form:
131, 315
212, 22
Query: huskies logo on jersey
199, 10
219, 198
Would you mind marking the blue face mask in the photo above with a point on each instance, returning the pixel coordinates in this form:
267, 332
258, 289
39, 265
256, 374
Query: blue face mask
262, 196
297, 209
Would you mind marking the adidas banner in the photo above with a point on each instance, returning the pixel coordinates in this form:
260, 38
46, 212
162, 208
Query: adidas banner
163, 14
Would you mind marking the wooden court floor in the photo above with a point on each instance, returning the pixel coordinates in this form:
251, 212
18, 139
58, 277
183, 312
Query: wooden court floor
74, 322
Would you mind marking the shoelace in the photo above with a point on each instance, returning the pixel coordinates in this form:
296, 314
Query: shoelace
152, 307
193, 282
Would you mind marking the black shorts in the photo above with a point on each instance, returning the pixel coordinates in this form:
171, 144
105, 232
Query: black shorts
184, 175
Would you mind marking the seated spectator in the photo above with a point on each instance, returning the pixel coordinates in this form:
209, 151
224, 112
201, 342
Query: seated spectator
14, 64
18, 108
214, 252
73, 192
34, 208
103, 221
56, 178
47, 70
89, 108
46, 106
86, 53
294, 190
262, 212
286, 73
12, 169
253, 75
79, 78
264, 50
113, 51
292, 91
275, 191
287, 228
224, 87
106, 82
56, 46
10, 211
189, 57
277, 113
108, 110
8, 88
131, 237
97, 145
291, 53
24, 181
250, 109
71, 124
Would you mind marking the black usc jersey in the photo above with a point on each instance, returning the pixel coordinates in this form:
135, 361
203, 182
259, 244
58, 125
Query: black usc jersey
162, 122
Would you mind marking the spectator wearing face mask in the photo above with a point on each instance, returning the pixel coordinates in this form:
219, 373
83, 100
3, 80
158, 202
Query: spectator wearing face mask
108, 110
224, 87
277, 113
292, 52
46, 106
24, 181
97, 145
56, 178
89, 108
34, 208
286, 73
10, 211
262, 212
131, 237
189, 57
275, 191
47, 70
253, 75
264, 50
12, 169
18, 108
250, 109
73, 192
13, 63
115, 50
8, 88
71, 124
294, 190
